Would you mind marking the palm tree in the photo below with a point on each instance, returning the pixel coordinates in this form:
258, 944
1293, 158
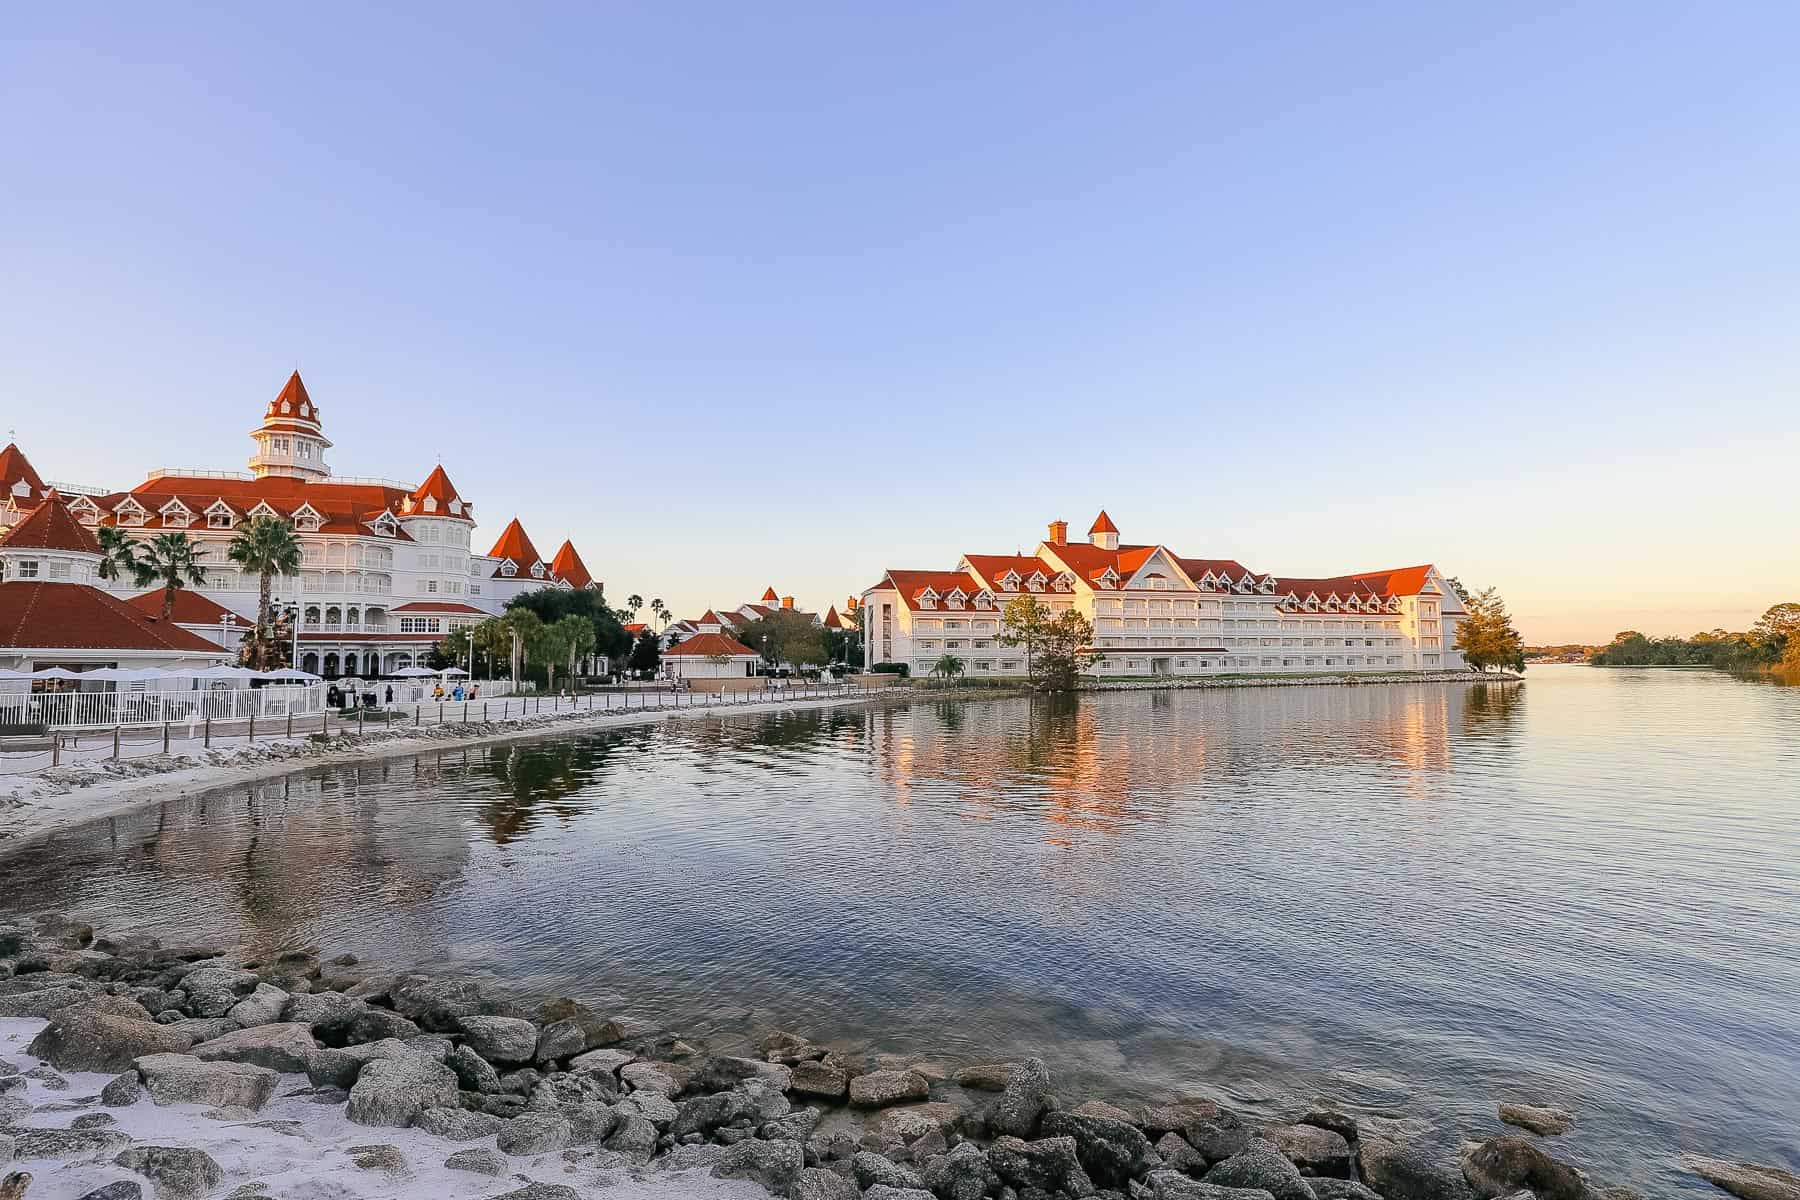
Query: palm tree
173, 560
118, 554
266, 545
947, 666
522, 626
660, 611
633, 602
578, 639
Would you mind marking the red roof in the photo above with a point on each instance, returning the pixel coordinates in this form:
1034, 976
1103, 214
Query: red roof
910, 584
1091, 562
568, 565
345, 507
50, 527
635, 627
711, 618
439, 606
516, 545
992, 566
1102, 524
1198, 568
769, 595
35, 615
299, 406
15, 468
708, 644
831, 619
191, 608
437, 486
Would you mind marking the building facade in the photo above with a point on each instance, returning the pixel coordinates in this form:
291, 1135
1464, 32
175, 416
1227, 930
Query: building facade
389, 567
1156, 612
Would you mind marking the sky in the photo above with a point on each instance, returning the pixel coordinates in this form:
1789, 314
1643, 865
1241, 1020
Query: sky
788, 294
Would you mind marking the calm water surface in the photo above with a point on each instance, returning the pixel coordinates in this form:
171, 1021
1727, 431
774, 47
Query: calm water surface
1424, 898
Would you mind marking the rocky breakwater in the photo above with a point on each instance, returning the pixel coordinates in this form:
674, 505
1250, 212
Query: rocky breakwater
556, 1100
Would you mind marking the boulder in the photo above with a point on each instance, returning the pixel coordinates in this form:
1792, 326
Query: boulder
591, 1122
174, 1172
985, 1077
608, 1061
666, 1078
913, 1122
1177, 1115
340, 1066
1173, 1185
877, 1089
634, 1138
882, 1191
1346, 1189
500, 1039
655, 1107
541, 1191
1546, 1122
1751, 1181
1409, 1171
1177, 1155
64, 1143
358, 1026
1025, 1098
816, 1183
1101, 1108
437, 1005
717, 1074
560, 1040
820, 1079
703, 1114
214, 991
284, 1046
1506, 1164
962, 1174
1050, 1164
119, 1189
392, 1091
535, 1133
457, 1124
263, 1005
383, 1159
1112, 1152
1261, 1165
100, 1036
797, 1126
184, 1079
774, 1165
871, 1169
1314, 1150
1219, 1137
314, 1008
41, 1002
123, 1090
201, 1029
481, 1162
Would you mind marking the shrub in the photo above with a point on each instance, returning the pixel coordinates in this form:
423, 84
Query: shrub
891, 668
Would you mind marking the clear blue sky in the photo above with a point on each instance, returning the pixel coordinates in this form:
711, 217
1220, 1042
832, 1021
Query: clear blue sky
750, 294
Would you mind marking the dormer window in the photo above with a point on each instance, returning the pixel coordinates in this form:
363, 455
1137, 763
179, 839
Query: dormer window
131, 513
385, 525
928, 598
984, 599
537, 570
85, 510
307, 519
431, 504
509, 568
1009, 582
263, 509
1035, 582
957, 598
286, 407
175, 515
1065, 582
306, 410
220, 516
456, 507
1109, 578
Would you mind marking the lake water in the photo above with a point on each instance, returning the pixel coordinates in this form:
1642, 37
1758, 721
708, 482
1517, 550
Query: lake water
1584, 891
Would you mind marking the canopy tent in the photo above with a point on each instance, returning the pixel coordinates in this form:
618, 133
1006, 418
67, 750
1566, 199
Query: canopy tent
288, 674
413, 673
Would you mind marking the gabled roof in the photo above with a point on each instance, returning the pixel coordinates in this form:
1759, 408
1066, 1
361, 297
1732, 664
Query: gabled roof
439, 606
1102, 524
437, 486
191, 608
50, 527
568, 565
707, 644
831, 618
15, 468
769, 596
35, 615
991, 568
515, 544
913, 584
300, 407
1090, 562
711, 618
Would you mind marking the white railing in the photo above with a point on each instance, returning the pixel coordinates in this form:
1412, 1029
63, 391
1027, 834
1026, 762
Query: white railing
76, 710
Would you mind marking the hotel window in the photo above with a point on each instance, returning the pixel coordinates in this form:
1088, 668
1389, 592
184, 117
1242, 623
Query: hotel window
28, 568
431, 585
59, 568
218, 520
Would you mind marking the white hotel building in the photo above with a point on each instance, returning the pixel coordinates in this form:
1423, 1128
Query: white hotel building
1155, 612
388, 569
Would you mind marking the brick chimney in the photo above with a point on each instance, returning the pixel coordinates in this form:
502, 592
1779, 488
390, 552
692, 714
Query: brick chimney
1059, 533
787, 602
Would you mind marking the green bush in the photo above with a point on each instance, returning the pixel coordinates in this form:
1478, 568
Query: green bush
891, 668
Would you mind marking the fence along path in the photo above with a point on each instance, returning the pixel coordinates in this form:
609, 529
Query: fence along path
125, 741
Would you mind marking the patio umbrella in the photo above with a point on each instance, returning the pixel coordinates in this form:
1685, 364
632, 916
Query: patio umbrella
289, 673
56, 673
413, 673
453, 671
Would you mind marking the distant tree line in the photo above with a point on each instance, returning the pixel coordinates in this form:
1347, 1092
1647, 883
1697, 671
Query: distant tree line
1773, 641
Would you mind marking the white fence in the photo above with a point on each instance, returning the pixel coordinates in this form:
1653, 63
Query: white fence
77, 710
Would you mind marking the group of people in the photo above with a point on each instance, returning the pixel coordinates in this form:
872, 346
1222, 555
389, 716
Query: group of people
346, 697
457, 694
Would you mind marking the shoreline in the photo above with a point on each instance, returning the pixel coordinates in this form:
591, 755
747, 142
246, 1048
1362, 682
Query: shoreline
49, 802
124, 1055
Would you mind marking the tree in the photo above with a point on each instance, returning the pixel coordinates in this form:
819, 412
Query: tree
267, 546
661, 612
948, 666
118, 554
1776, 628
646, 655
1065, 649
173, 560
785, 636
633, 602
577, 638
522, 627
553, 604
1486, 635
1023, 622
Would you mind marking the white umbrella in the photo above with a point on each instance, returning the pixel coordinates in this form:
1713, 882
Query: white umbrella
289, 673
412, 673
225, 672
56, 673
453, 671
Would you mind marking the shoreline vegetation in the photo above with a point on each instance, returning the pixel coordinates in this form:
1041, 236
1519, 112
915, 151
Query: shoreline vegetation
470, 1092
1769, 647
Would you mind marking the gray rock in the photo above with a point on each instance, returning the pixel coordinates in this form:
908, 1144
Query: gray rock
184, 1079
1261, 1165
1173, 1185
481, 1162
1051, 1164
986, 1077
1025, 1099
473, 1072
607, 1061
590, 1122
366, 1024
655, 1077
635, 1138
1507, 1164
385, 1159
41, 1002
797, 1126
877, 1089
123, 1090
501, 1039
1314, 1150
93, 1121
1219, 1137
174, 1172
1177, 1115
717, 1074
284, 1046
1101, 1108
1751, 1181
341, 1066
560, 1040
1543, 1121
820, 1079
654, 1107
438, 1005
1409, 1171
1345, 1189
104, 1035
962, 1174
1179, 1156
64, 1143
1112, 1151
1336, 1120
816, 1183
457, 1124
213, 991
313, 1008
774, 1165
119, 1189
392, 1091
202, 1029
535, 1133
262, 1006
541, 1191
882, 1191
703, 1114
435, 1046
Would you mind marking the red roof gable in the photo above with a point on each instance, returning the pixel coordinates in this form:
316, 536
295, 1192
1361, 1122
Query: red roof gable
910, 584
73, 616
15, 468
50, 527
191, 608
299, 405
437, 486
1102, 524
516, 545
992, 566
770, 596
831, 618
568, 565
707, 644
